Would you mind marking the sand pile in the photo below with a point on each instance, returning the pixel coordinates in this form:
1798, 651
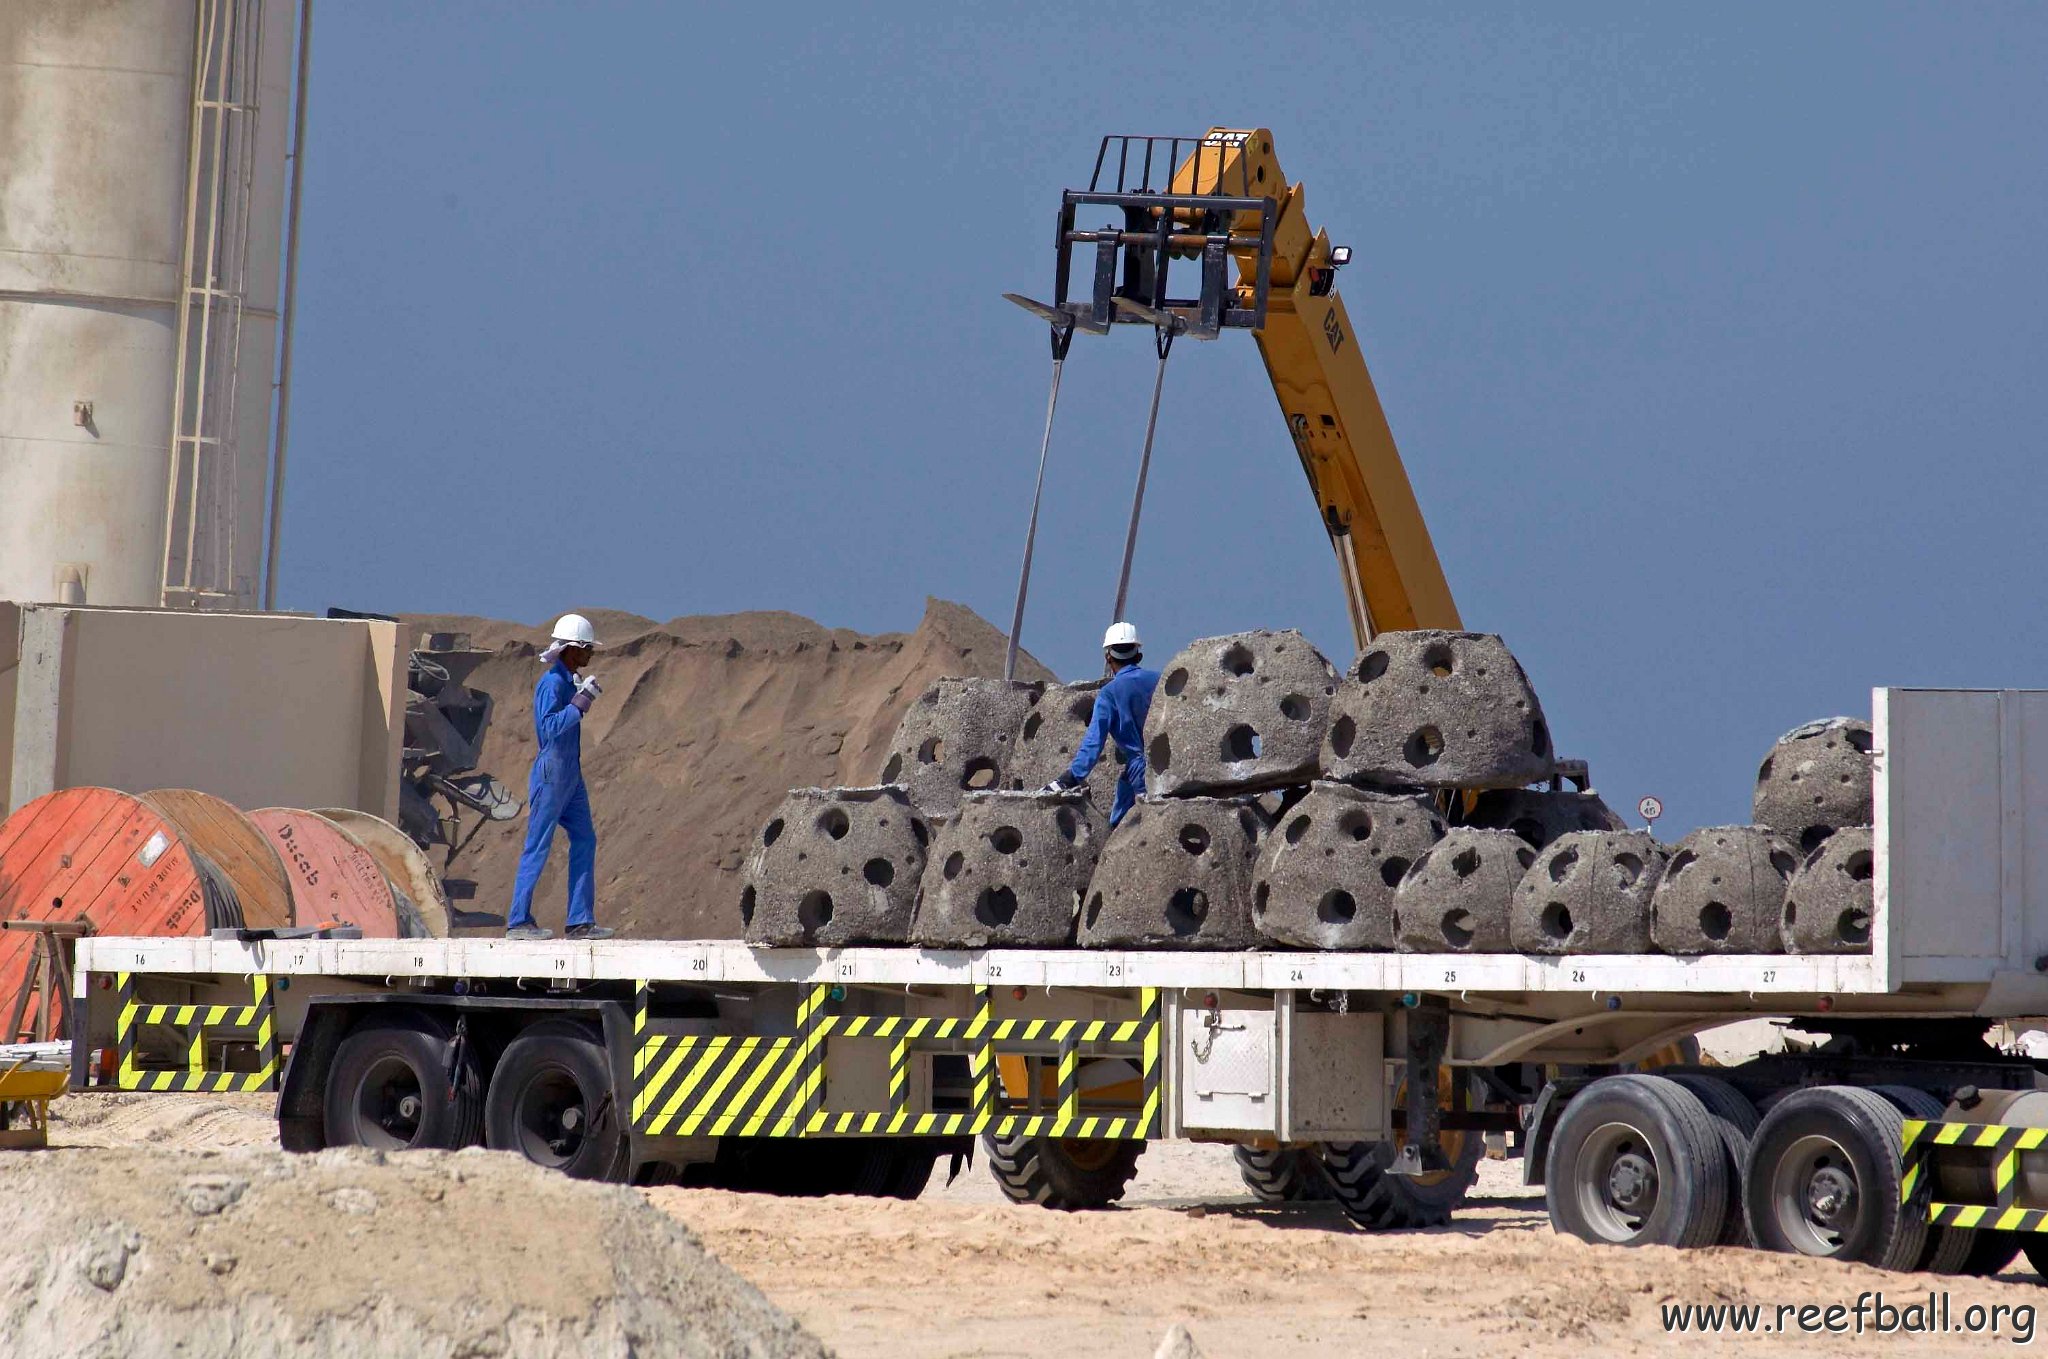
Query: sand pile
146, 1253
704, 724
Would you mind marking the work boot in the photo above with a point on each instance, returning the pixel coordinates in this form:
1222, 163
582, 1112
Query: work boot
591, 932
530, 932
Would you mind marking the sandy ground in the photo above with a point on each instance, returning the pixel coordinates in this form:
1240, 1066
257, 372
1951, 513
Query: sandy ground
961, 1272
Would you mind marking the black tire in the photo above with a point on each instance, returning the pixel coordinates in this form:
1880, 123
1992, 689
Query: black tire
551, 1100
915, 1164
1637, 1161
1948, 1248
1361, 1182
1735, 1120
388, 1089
1824, 1178
1069, 1174
1992, 1251
1282, 1174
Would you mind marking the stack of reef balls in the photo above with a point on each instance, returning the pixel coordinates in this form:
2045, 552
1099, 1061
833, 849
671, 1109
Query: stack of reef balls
1412, 803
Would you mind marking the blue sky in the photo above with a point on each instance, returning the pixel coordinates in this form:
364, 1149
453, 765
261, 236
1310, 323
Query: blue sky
1713, 337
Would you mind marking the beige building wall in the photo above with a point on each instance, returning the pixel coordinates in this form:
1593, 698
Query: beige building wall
260, 709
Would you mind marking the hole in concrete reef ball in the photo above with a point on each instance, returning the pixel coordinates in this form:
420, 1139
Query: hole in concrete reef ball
1681, 861
1813, 837
1539, 738
1294, 708
1858, 865
892, 770
1763, 771
1628, 870
1422, 749
979, 774
1783, 862
1528, 829
1176, 680
834, 823
1437, 660
1187, 909
1194, 839
1236, 659
1342, 734
1248, 823
880, 872
921, 831
814, 911
1337, 907
747, 905
771, 832
1561, 864
1392, 870
1372, 665
1006, 839
1459, 927
1069, 825
995, 906
1716, 920
1465, 862
1081, 709
1858, 740
1260, 898
1094, 910
1160, 753
932, 751
1854, 926
1557, 921
1240, 743
1356, 823
1296, 829
1031, 725
1525, 857
1791, 912
954, 863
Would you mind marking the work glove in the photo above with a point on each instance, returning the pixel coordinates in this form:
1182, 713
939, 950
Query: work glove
1061, 784
586, 693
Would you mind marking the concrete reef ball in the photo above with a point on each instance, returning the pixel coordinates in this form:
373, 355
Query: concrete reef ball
1008, 870
1238, 714
955, 738
1176, 873
1589, 892
1456, 898
835, 866
1815, 781
1828, 901
1437, 710
1541, 816
1052, 732
1723, 892
1327, 874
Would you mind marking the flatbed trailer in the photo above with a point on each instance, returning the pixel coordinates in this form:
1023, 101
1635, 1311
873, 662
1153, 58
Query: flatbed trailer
1369, 1078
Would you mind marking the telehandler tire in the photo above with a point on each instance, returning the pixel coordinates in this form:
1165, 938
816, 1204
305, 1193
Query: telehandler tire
1282, 1174
1067, 1173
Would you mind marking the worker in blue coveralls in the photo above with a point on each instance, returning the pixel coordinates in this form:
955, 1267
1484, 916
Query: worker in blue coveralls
1119, 716
555, 794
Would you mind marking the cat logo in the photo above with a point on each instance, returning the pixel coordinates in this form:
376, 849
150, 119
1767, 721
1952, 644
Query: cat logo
1333, 331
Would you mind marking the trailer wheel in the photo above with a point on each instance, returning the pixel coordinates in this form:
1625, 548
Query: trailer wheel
1637, 1161
1735, 1120
389, 1089
1948, 1248
1067, 1173
551, 1101
1992, 1251
914, 1165
1824, 1179
1282, 1174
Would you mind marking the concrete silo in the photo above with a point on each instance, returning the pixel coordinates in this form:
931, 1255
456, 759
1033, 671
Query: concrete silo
142, 188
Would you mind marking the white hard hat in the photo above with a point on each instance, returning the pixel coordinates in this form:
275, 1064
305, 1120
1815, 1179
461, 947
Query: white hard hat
575, 629
1121, 637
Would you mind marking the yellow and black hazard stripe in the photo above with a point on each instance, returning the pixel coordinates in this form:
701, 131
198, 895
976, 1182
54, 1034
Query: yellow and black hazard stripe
719, 1085
196, 1023
1920, 1139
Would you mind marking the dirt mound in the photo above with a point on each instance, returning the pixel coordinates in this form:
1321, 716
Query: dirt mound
705, 723
149, 1253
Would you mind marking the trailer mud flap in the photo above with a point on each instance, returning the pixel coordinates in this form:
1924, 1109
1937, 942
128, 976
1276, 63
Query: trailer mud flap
713, 1085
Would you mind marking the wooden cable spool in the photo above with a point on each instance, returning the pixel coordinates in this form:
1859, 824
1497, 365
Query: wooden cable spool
403, 862
334, 880
236, 847
115, 861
